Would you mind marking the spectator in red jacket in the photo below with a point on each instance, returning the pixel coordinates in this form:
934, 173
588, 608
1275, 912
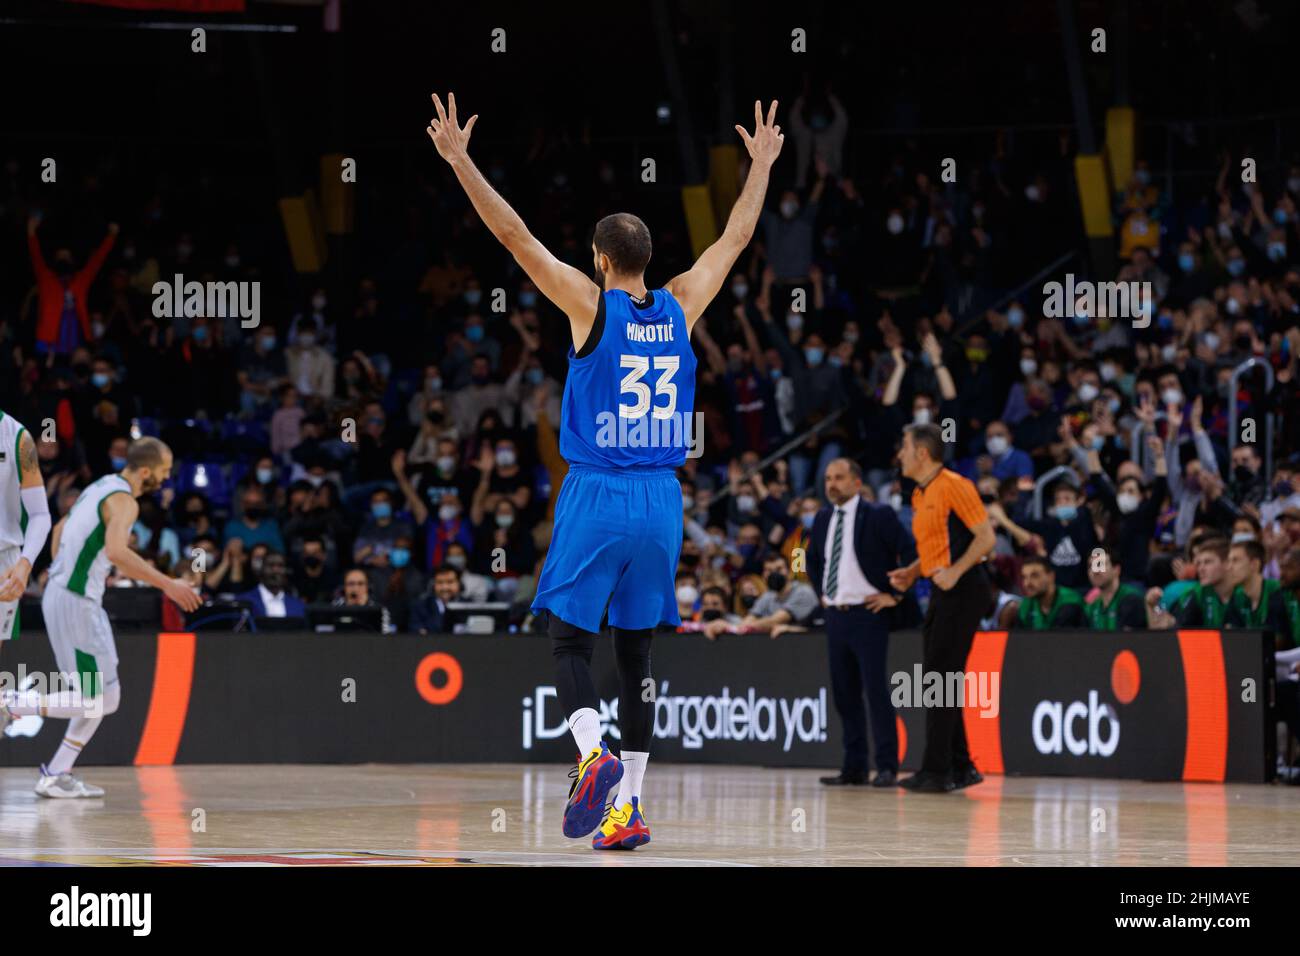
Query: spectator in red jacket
63, 322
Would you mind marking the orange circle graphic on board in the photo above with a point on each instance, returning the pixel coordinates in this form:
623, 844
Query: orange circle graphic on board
1125, 677
438, 661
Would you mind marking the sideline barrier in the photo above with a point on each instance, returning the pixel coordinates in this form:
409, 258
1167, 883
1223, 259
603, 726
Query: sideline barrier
1188, 705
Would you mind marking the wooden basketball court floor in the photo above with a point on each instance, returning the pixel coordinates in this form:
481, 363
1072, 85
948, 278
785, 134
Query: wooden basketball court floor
497, 814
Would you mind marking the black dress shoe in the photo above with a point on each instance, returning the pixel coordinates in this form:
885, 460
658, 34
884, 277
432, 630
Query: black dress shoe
967, 778
927, 782
846, 778
885, 778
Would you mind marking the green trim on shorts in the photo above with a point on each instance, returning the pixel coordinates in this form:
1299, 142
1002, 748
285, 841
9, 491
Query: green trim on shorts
88, 674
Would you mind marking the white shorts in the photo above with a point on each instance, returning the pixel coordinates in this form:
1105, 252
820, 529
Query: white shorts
9, 609
82, 638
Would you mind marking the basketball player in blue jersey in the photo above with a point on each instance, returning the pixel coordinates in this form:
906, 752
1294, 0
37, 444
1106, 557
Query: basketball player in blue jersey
625, 427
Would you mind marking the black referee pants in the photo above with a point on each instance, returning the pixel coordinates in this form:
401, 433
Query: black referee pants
946, 638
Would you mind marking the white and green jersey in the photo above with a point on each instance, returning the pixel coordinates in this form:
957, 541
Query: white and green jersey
81, 564
13, 516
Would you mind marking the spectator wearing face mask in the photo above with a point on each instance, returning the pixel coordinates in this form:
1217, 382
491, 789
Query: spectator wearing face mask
476, 588
1134, 511
440, 527
1248, 486
255, 524
687, 593
818, 125
378, 538
788, 233
314, 579
262, 370
1038, 431
501, 476
504, 550
315, 319
62, 321
1188, 487
1068, 536
470, 403
1008, 461
286, 422
310, 367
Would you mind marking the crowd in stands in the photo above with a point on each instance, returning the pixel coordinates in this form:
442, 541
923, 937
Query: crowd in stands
390, 439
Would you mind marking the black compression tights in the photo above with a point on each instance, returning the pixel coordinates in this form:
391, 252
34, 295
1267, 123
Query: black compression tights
572, 649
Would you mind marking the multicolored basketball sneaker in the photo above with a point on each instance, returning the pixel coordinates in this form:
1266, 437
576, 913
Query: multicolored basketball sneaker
593, 780
624, 828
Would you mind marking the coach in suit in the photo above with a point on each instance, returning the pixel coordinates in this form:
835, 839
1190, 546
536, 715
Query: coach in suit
852, 547
271, 597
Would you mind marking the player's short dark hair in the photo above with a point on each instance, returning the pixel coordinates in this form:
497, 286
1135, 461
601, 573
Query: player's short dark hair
1216, 543
1254, 551
626, 240
928, 436
146, 453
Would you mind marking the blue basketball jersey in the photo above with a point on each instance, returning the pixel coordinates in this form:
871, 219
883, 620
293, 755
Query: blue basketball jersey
630, 402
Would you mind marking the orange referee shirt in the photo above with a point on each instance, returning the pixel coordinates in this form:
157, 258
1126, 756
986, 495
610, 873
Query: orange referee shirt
944, 510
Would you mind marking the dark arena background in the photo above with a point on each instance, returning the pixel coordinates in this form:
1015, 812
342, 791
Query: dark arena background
1066, 233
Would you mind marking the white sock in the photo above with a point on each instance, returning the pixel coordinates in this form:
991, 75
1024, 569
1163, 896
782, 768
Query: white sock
585, 724
80, 730
633, 773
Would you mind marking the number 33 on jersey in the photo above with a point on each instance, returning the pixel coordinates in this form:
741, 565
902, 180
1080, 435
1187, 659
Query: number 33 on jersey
629, 400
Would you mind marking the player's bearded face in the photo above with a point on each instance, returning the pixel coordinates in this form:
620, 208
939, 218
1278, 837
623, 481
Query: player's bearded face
149, 481
599, 273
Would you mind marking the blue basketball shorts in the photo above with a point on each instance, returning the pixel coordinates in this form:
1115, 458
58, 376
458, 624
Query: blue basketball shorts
616, 541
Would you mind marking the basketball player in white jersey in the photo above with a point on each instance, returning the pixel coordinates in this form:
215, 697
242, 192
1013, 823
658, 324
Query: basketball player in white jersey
24, 518
90, 540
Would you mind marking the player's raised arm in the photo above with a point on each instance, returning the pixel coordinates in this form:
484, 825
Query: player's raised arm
695, 289
574, 293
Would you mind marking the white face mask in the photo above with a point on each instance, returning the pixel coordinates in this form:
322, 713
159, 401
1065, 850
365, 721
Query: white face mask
1087, 391
997, 444
745, 503
921, 416
687, 594
448, 512
1211, 340
1108, 373
1028, 367
1128, 503
1171, 396
788, 209
894, 224
1168, 352
896, 501
794, 321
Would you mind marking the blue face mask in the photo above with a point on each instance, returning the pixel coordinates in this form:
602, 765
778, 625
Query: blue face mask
1277, 251
1016, 318
1165, 321
1236, 267
807, 520
1098, 443
399, 557
381, 510
776, 374
1186, 261
534, 376
814, 356
1066, 512
117, 463
100, 380
474, 333
201, 334
265, 475
527, 299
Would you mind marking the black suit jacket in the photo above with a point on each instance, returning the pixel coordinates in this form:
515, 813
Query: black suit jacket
880, 543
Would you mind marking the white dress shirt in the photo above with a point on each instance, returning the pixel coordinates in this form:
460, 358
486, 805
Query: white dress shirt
274, 603
852, 586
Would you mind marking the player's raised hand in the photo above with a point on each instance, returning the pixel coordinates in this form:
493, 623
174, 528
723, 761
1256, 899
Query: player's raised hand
765, 145
449, 137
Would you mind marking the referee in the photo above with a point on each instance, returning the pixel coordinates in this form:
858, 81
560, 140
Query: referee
953, 535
